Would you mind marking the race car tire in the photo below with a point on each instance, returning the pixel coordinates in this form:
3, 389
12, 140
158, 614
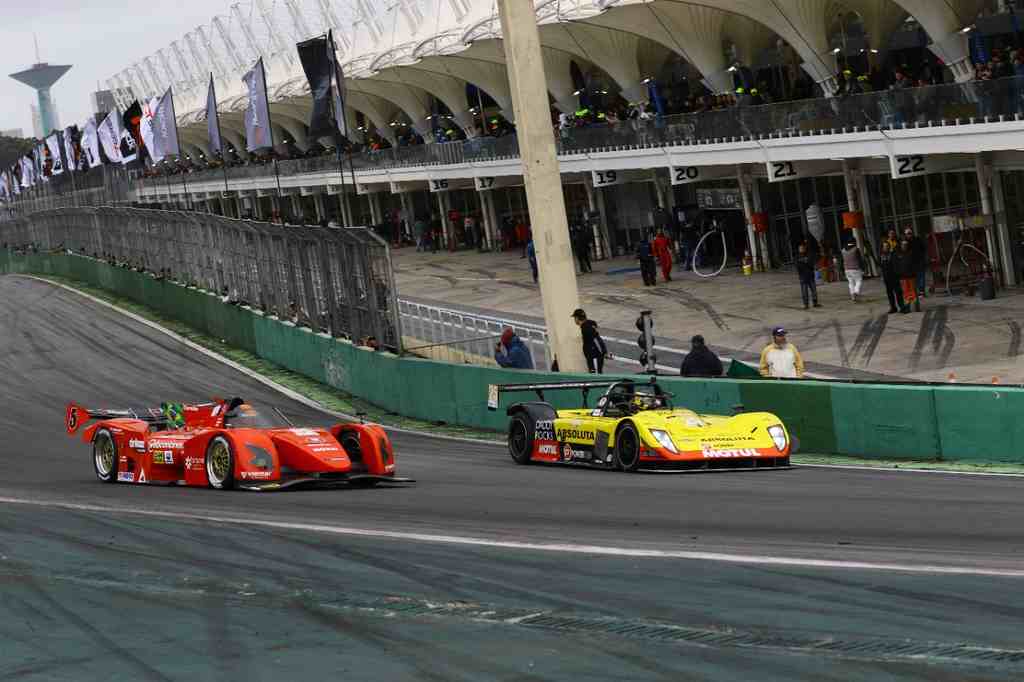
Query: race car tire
220, 464
104, 456
627, 447
520, 437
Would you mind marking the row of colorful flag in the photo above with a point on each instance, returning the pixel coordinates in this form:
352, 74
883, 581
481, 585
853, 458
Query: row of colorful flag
148, 133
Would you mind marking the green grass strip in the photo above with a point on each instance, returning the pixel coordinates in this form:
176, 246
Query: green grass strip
339, 401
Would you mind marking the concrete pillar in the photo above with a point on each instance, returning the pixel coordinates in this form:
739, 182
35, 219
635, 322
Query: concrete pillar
346, 210
376, 215
490, 219
443, 204
762, 238
321, 208
595, 202
1003, 231
296, 208
853, 200
543, 181
257, 208
758, 259
275, 205
408, 213
240, 205
984, 174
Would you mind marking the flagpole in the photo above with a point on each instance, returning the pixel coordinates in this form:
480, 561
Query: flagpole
337, 134
220, 137
177, 142
344, 118
270, 131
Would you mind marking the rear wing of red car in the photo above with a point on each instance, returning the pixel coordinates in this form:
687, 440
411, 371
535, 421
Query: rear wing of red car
76, 416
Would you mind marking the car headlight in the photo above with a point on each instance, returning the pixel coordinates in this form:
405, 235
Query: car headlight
664, 440
778, 435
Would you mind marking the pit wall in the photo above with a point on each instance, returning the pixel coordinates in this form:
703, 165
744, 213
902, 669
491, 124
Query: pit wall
949, 422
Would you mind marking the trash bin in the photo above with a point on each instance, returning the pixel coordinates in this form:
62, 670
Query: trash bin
987, 287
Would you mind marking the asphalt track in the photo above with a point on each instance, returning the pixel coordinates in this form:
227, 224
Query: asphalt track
808, 574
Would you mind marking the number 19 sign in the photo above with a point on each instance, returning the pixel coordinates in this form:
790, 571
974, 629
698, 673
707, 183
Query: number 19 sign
606, 178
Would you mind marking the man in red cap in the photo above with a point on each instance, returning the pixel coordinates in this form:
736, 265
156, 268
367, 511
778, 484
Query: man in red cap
511, 352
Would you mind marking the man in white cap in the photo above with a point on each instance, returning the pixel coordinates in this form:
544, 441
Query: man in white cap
781, 359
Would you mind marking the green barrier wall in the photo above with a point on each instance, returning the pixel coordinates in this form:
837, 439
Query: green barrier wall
963, 423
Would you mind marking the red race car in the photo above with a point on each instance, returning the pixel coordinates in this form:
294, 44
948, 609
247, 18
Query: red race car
230, 444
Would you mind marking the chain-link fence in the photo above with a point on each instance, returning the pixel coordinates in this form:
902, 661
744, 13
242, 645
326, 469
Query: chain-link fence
336, 281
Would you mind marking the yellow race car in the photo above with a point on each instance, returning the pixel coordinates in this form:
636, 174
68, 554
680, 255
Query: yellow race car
634, 427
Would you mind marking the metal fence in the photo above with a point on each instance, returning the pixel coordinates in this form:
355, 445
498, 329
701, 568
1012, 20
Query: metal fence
456, 336
337, 281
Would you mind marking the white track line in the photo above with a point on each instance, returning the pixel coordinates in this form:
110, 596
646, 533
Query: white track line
298, 397
564, 548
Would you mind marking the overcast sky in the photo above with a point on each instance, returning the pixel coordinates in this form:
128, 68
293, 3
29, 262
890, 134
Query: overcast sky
97, 37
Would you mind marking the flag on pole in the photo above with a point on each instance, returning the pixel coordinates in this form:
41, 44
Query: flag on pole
28, 175
42, 171
339, 90
165, 129
213, 120
130, 139
71, 151
146, 126
318, 66
53, 147
258, 134
91, 144
109, 133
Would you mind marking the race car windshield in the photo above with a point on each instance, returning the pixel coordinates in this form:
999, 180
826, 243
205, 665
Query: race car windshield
246, 416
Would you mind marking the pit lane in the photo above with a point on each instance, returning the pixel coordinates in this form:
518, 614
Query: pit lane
86, 567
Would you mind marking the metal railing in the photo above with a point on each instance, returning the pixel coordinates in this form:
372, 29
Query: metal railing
938, 105
336, 281
456, 336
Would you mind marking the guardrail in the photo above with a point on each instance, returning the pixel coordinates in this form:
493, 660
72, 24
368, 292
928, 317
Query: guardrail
338, 281
430, 325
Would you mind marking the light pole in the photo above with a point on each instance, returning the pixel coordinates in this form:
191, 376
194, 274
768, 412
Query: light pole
543, 180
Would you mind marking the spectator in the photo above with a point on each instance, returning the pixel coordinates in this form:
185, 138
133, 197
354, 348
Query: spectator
531, 255
893, 240
891, 279
581, 245
780, 359
853, 264
469, 227
594, 348
805, 271
662, 250
420, 228
919, 253
510, 352
645, 254
905, 269
687, 242
522, 236
700, 361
